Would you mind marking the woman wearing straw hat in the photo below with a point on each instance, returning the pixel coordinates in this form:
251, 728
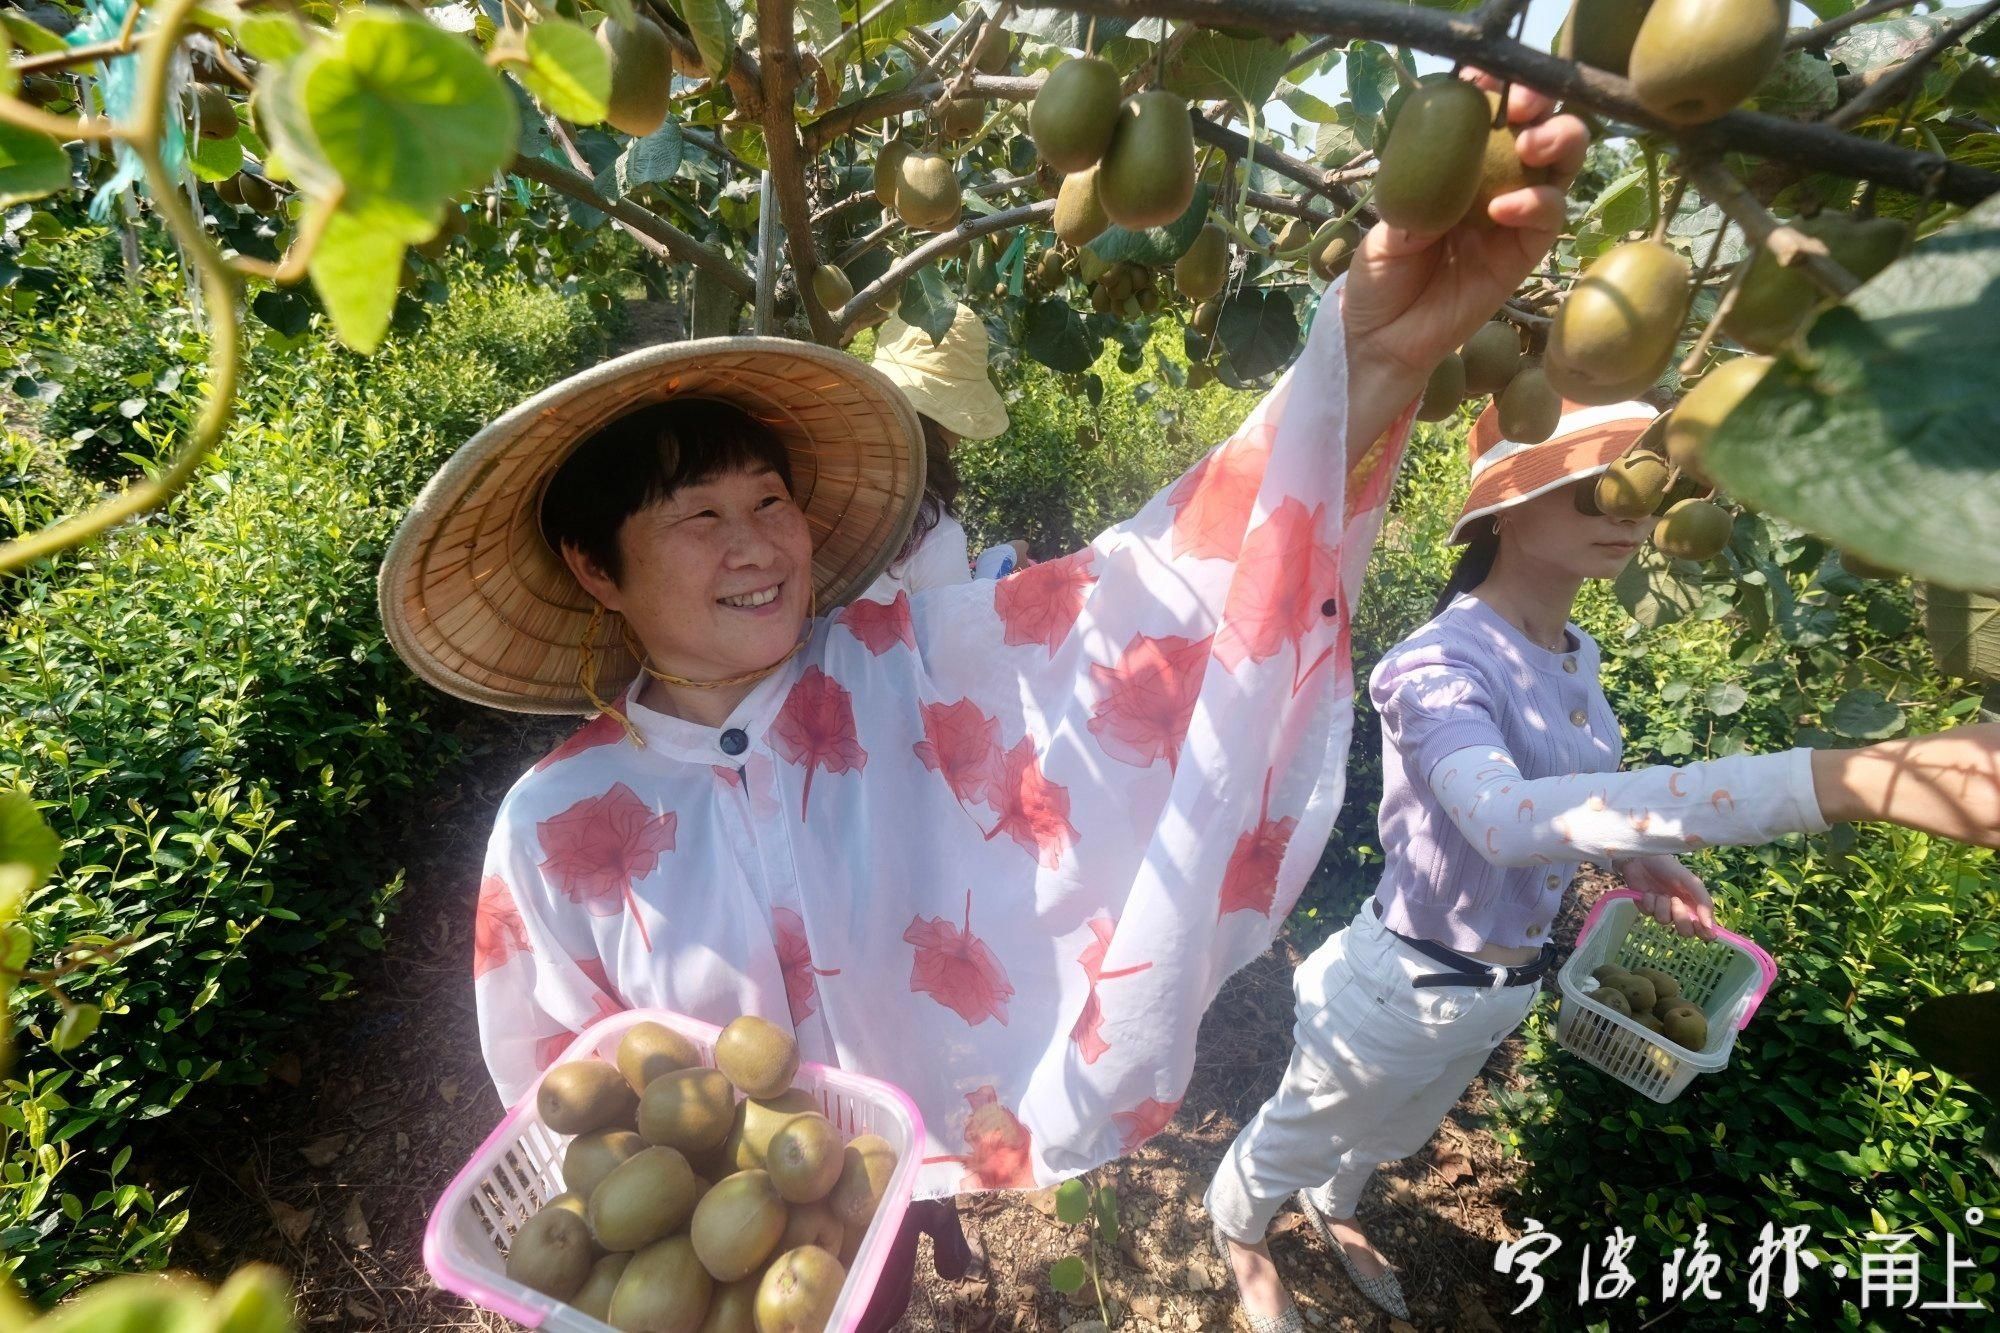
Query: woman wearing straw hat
1499, 776
947, 383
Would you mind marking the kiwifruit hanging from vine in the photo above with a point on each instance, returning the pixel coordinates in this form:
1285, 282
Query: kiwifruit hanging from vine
1600, 33
214, 112
1694, 420
1147, 176
1774, 302
1695, 59
1200, 273
1431, 165
1693, 530
1292, 238
1528, 410
1492, 355
1502, 171
1333, 249
262, 196
1633, 486
1204, 317
992, 50
962, 116
1862, 568
1615, 331
887, 163
1074, 113
1444, 391
1079, 217
927, 195
641, 60
832, 286
230, 190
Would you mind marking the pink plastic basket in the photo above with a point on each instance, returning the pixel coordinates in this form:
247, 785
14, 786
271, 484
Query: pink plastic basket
519, 1168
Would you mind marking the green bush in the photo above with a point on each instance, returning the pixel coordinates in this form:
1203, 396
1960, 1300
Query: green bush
206, 709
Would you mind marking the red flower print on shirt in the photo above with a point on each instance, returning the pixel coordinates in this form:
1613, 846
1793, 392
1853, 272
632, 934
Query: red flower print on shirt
956, 969
605, 1001
497, 930
1370, 476
1033, 811
1040, 604
1213, 500
999, 1147
1088, 1032
962, 744
1250, 882
598, 847
796, 961
881, 625
1284, 579
1144, 1120
1147, 698
816, 728
604, 729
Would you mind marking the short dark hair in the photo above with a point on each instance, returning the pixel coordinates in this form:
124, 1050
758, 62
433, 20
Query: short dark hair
644, 457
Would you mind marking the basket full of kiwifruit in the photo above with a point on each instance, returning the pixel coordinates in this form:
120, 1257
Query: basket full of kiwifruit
666, 1174
1654, 1008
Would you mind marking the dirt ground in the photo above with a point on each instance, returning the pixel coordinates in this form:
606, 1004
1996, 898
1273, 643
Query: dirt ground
331, 1172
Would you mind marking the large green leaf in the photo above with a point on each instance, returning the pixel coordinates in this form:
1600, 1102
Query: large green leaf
1371, 77
29, 850
1653, 593
356, 268
566, 70
217, 159
713, 27
649, 160
1955, 1033
1880, 436
1802, 86
1054, 335
1864, 715
1063, 27
405, 113
1155, 245
272, 38
1072, 1202
31, 165
927, 303
1213, 67
1259, 328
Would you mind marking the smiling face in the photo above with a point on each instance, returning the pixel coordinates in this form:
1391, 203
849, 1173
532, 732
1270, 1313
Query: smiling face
1550, 532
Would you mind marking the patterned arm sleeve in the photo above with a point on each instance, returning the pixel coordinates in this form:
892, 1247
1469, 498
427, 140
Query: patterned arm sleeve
1515, 821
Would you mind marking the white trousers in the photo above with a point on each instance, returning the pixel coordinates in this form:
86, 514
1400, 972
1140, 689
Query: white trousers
1376, 1065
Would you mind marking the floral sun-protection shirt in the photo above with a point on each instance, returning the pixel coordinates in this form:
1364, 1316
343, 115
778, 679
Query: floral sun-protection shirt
998, 843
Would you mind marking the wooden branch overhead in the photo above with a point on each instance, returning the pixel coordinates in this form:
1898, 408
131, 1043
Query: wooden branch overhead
653, 230
852, 316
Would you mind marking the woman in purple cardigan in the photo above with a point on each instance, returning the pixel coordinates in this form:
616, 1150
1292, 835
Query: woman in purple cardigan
1499, 777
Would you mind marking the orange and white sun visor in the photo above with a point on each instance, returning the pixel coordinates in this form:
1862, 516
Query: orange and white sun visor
1505, 472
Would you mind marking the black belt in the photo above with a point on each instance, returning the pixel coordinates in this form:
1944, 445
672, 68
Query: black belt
1470, 971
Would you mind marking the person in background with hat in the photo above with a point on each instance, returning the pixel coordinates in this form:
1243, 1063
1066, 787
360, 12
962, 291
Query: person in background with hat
947, 383
1500, 776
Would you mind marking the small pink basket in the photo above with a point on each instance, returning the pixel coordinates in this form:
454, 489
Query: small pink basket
519, 1168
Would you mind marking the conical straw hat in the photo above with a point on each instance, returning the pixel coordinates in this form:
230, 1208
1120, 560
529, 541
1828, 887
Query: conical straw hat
478, 605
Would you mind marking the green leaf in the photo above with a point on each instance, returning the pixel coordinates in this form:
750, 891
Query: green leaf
1802, 87
1880, 436
1864, 715
1309, 108
1259, 328
1653, 593
272, 38
31, 165
1211, 67
1867, 46
654, 158
927, 303
1371, 77
1344, 138
1955, 1033
1726, 697
29, 850
30, 36
1066, 1275
406, 114
713, 27
1066, 28
820, 19
567, 71
1072, 1202
1054, 335
356, 268
1156, 245
74, 1027
217, 159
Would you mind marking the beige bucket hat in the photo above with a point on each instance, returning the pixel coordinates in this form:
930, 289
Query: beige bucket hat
478, 605
946, 382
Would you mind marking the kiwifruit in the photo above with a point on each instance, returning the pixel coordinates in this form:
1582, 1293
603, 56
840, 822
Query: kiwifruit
1445, 389
1600, 33
1684, 1025
230, 189
641, 60
46, 90
1200, 273
1292, 238
1501, 170
1696, 418
1074, 113
1693, 530
737, 1224
1774, 302
866, 1166
215, 111
664, 1290
1492, 355
591, 1157
1695, 59
1204, 317
574, 1200
1649, 1022
1615, 331
1200, 374
584, 1095
1613, 999
261, 196
812, 1224
732, 1308
1146, 177
594, 1296
1430, 168
804, 1158
1633, 486
798, 1292
961, 117
647, 1196
1080, 217
1333, 248
758, 1056
1603, 973
1665, 988
757, 1120
1528, 409
692, 1110
552, 1252
832, 286
927, 194
887, 162
992, 49
1638, 992
1867, 569
648, 1050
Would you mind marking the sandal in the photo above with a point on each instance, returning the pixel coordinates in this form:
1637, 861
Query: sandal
1383, 1289
1288, 1322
